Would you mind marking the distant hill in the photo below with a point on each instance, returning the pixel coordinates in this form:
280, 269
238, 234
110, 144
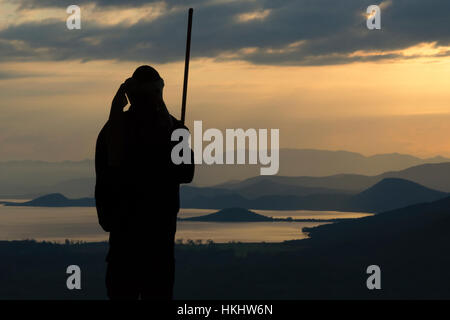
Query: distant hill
392, 193
432, 175
231, 215
53, 200
388, 194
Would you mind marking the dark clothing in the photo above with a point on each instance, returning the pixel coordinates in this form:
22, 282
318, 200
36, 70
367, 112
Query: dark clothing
137, 202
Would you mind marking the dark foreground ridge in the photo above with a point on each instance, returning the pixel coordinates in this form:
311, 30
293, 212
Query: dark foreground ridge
410, 245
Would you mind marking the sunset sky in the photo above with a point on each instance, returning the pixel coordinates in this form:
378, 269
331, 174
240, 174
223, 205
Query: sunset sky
308, 67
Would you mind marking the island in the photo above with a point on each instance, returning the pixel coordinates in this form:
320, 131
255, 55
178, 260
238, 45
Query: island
53, 200
245, 215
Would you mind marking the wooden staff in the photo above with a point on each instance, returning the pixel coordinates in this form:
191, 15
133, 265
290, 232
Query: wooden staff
186, 66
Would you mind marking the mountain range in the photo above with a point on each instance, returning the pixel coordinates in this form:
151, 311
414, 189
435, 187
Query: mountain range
434, 176
28, 179
314, 163
388, 194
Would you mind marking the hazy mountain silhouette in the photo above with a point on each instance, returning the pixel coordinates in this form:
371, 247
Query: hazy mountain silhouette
310, 162
54, 200
76, 178
388, 194
393, 193
434, 176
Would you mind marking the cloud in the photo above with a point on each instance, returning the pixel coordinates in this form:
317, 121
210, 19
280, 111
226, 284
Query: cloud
33, 4
254, 15
330, 32
7, 75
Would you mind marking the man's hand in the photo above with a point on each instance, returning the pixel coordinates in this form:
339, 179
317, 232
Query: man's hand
119, 102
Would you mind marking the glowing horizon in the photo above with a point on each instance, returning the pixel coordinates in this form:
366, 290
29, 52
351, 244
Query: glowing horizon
366, 100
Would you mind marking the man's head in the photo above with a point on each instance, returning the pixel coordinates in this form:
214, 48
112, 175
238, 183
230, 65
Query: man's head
144, 86
146, 74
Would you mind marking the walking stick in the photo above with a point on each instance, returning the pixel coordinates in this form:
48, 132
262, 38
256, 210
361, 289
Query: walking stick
186, 66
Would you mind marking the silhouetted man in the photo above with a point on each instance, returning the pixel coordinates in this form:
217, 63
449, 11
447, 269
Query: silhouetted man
137, 189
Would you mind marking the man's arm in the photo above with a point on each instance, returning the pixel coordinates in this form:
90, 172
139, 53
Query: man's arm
103, 182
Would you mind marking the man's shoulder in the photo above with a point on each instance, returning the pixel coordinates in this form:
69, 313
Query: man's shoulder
104, 129
103, 132
177, 124
175, 120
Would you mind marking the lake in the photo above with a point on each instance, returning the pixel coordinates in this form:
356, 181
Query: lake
58, 224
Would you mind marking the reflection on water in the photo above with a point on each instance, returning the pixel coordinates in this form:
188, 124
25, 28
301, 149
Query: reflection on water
58, 224
53, 224
243, 232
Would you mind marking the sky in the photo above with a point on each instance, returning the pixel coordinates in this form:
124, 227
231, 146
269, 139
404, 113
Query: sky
310, 68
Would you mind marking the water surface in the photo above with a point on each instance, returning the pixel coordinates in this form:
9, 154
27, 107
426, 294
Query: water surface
80, 223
